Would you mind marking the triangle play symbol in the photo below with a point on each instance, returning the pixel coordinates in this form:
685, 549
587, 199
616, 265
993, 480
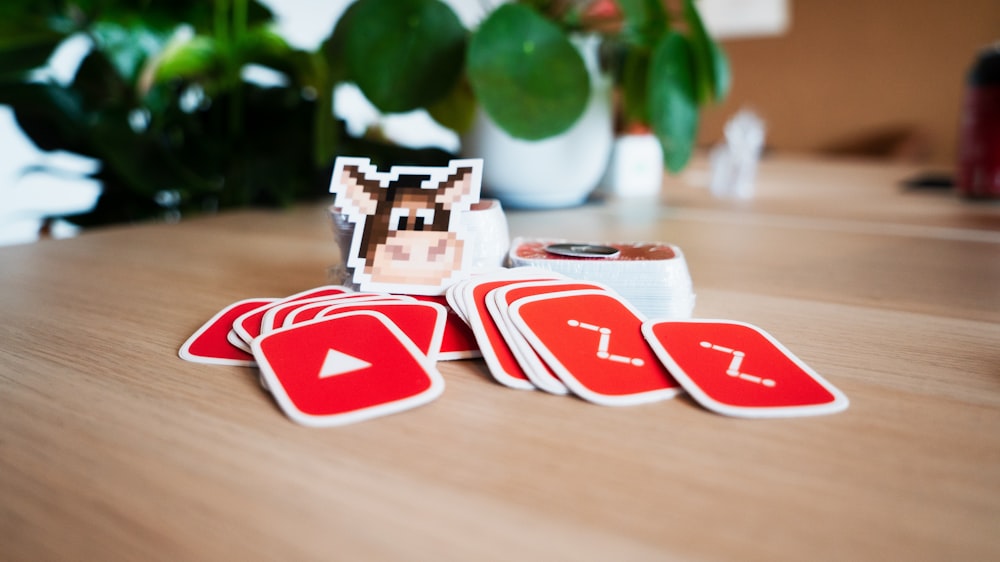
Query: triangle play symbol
338, 363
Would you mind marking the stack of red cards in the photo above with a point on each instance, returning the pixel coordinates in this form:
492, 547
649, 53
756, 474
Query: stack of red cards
331, 356
536, 329
653, 276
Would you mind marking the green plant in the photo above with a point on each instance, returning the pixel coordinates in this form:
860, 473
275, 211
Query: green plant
159, 100
162, 102
521, 66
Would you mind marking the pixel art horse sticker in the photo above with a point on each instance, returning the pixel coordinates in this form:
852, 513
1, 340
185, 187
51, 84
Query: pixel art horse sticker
408, 235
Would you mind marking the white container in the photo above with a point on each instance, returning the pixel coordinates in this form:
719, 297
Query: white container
559, 171
636, 167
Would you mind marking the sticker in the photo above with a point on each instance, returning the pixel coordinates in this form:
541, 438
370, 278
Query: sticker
210, 343
422, 322
582, 250
233, 338
454, 295
592, 340
500, 360
458, 341
301, 311
525, 252
321, 375
498, 301
247, 326
408, 236
737, 369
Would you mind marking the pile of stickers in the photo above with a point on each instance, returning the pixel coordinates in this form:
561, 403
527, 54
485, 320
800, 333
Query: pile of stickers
652, 276
331, 356
557, 321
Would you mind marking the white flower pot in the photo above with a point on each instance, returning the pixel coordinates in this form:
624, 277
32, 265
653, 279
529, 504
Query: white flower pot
559, 171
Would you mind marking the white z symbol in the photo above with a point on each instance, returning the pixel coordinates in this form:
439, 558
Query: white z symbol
734, 365
602, 344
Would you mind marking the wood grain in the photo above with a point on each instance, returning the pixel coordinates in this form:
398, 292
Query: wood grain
112, 448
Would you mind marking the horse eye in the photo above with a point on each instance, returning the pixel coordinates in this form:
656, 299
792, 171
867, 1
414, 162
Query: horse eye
398, 219
424, 217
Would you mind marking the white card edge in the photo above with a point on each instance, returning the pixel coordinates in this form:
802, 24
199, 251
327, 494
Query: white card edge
839, 403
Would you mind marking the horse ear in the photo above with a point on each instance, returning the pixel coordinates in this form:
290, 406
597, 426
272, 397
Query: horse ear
461, 188
356, 194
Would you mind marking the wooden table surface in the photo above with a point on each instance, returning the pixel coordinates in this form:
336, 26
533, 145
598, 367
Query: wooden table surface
112, 448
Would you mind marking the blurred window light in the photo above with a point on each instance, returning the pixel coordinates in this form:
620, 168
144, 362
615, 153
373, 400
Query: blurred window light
727, 19
263, 76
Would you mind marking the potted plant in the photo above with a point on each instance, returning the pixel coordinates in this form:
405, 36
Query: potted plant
160, 100
164, 102
522, 66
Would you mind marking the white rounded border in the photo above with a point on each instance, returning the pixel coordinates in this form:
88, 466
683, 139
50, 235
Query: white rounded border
433, 391
839, 403
564, 374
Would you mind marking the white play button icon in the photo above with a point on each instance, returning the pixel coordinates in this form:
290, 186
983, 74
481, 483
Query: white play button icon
337, 363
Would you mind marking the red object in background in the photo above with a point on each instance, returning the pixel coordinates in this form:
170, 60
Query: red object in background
979, 135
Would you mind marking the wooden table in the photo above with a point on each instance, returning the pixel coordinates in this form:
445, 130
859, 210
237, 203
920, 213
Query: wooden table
112, 448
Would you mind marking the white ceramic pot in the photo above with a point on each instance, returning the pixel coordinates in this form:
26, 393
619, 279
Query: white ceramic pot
559, 171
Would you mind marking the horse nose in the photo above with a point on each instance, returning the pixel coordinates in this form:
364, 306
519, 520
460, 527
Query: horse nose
438, 251
424, 246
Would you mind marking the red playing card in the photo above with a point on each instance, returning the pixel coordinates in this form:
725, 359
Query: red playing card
295, 312
247, 326
233, 338
345, 368
498, 301
593, 341
497, 354
737, 369
458, 341
422, 322
209, 343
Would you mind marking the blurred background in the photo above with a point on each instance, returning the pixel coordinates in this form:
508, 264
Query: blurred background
881, 79
852, 78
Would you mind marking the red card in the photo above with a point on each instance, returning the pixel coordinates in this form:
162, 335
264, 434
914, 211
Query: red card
345, 368
209, 343
296, 312
233, 338
593, 341
422, 322
247, 326
498, 301
738, 369
498, 356
458, 341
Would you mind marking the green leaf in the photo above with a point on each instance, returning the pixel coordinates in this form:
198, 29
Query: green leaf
457, 109
25, 50
98, 86
198, 57
52, 116
673, 107
722, 77
635, 86
319, 77
645, 21
128, 47
712, 77
403, 54
526, 73
264, 46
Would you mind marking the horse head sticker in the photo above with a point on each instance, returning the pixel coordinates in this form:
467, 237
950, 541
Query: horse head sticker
408, 234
